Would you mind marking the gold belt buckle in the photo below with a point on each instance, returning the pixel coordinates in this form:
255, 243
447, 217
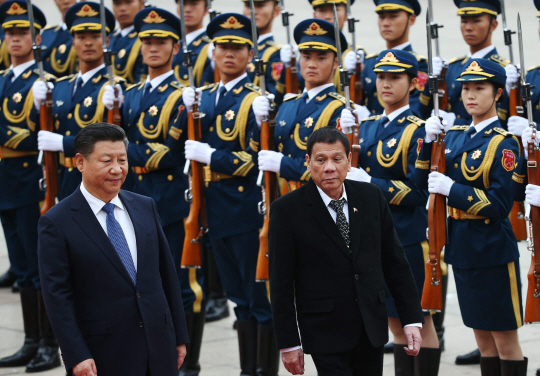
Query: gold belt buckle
207, 174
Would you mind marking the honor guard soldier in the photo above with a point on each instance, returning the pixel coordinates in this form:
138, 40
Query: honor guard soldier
481, 162
389, 146
124, 43
149, 114
20, 194
228, 149
59, 58
4, 54
198, 42
396, 17
77, 98
319, 106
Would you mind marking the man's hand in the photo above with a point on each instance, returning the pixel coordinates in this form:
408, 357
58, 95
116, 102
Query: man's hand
294, 361
181, 354
109, 96
439, 183
198, 151
85, 368
39, 89
49, 141
414, 340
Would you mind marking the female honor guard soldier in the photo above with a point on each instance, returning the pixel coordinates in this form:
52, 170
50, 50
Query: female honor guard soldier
19, 192
389, 146
227, 147
77, 98
480, 167
319, 106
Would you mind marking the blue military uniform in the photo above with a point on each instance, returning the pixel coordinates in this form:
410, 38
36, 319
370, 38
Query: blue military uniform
127, 57
203, 74
481, 245
59, 58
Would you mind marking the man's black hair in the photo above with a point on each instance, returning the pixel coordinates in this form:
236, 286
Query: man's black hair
328, 135
87, 138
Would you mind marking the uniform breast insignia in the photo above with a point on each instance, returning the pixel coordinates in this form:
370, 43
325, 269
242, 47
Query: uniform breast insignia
361, 140
62, 48
321, 98
236, 161
391, 143
277, 68
17, 97
401, 120
282, 123
122, 53
161, 89
391, 189
470, 199
153, 111
369, 80
97, 79
280, 147
87, 101
59, 103
476, 154
447, 151
229, 115
309, 122
488, 132
238, 91
509, 160
27, 74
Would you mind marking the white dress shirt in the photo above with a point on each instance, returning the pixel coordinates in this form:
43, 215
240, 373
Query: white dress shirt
155, 82
120, 213
480, 126
264, 37
402, 46
482, 53
127, 30
395, 114
19, 69
190, 37
86, 76
316, 90
229, 85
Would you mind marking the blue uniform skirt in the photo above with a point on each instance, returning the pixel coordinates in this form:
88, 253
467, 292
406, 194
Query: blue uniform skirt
415, 255
490, 298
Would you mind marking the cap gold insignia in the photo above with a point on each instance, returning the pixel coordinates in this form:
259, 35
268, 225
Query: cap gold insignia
476, 154
17, 97
153, 17
87, 11
389, 58
391, 143
309, 122
229, 115
315, 29
231, 23
153, 111
474, 67
16, 9
87, 101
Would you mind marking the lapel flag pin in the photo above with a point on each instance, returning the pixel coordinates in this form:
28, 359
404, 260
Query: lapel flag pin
355, 210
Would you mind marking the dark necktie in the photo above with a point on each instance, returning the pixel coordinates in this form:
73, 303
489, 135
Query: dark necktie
382, 123
119, 242
78, 85
470, 132
222, 93
302, 102
146, 93
341, 220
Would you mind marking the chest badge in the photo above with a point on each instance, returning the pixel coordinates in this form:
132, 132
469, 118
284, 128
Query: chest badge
122, 53
229, 115
509, 160
447, 151
391, 143
62, 48
280, 147
17, 97
476, 154
282, 123
59, 103
368, 80
153, 111
361, 140
309, 122
87, 101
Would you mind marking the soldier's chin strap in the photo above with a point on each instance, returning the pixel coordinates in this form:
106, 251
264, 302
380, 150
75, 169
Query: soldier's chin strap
406, 93
168, 60
489, 31
406, 27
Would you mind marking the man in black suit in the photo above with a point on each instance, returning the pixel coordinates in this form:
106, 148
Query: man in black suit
332, 248
108, 279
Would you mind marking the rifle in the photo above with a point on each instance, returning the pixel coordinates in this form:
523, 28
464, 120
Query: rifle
191, 254
47, 159
354, 135
355, 79
291, 71
532, 306
113, 116
213, 14
432, 296
442, 92
267, 180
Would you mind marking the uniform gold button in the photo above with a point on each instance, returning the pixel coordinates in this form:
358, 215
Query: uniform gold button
240, 189
368, 169
70, 169
9, 133
292, 136
55, 115
227, 130
455, 165
305, 138
387, 155
86, 116
68, 133
69, 116
472, 168
487, 221
14, 112
147, 151
211, 129
57, 124
458, 116
289, 156
140, 177
170, 178
369, 154
137, 142
25, 164
151, 127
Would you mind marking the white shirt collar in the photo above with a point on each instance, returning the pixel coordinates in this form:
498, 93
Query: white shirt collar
62, 26
190, 37
95, 203
88, 75
396, 113
155, 82
229, 85
263, 37
482, 53
327, 199
480, 126
316, 90
127, 30
402, 46
19, 69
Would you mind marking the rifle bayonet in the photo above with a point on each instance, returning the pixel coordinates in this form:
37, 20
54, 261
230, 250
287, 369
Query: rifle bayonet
107, 54
507, 33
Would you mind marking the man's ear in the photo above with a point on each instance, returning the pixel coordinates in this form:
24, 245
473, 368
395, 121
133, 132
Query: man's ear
38, 40
250, 58
176, 48
308, 163
80, 162
349, 160
413, 84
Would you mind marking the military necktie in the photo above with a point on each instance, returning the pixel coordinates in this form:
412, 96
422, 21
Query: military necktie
382, 123
341, 220
302, 102
471, 132
222, 93
119, 242
146, 93
78, 85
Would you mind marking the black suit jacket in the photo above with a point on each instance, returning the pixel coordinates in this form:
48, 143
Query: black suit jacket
94, 308
335, 294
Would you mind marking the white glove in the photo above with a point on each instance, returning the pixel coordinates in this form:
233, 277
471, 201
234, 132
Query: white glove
448, 119
49, 141
285, 53
512, 76
434, 127
188, 95
439, 183
270, 160
346, 121
108, 96
517, 124
198, 151
361, 112
211, 48
358, 174
438, 65
532, 194
526, 136
350, 60
40, 92
261, 107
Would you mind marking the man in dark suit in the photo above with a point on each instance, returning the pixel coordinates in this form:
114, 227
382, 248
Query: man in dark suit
108, 280
332, 249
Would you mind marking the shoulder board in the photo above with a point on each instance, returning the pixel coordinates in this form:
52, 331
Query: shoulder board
416, 120
457, 59
253, 87
2, 72
206, 39
50, 77
371, 56
533, 68
211, 86
273, 44
132, 35
65, 78
419, 57
499, 59
374, 117
459, 128
50, 27
177, 85
134, 86
338, 97
292, 97
503, 132
116, 79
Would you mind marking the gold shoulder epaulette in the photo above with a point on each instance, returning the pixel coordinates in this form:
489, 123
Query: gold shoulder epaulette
273, 44
50, 27
374, 117
50, 77
292, 97
459, 128
499, 59
253, 87
502, 131
132, 35
177, 85
65, 78
211, 86
139, 84
419, 57
118, 79
416, 120
533, 68
206, 39
371, 56
2, 72
455, 60
338, 97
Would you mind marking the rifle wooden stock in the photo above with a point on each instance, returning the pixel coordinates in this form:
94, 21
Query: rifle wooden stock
291, 77
532, 306
50, 178
355, 82
354, 141
443, 91
432, 295
217, 76
113, 116
195, 225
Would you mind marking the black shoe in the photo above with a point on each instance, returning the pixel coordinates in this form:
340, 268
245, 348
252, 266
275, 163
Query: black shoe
217, 309
389, 348
15, 288
195, 326
427, 362
471, 358
267, 352
490, 366
247, 345
403, 363
8, 278
514, 367
29, 349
